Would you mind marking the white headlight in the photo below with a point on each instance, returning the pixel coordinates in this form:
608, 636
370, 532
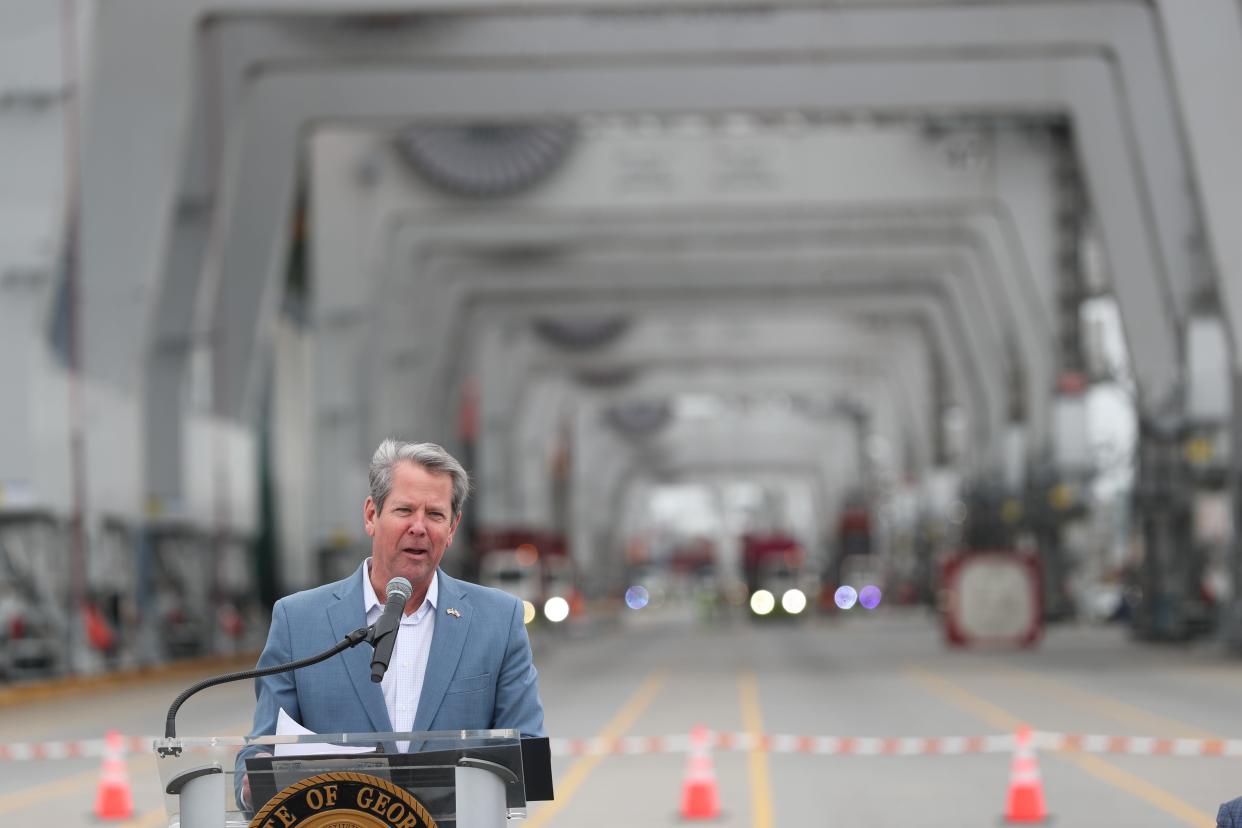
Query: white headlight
762, 602
793, 601
556, 609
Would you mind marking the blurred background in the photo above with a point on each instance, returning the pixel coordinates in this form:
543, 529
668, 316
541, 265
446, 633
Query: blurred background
852, 369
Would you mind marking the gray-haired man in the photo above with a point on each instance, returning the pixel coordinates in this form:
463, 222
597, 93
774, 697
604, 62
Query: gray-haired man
461, 660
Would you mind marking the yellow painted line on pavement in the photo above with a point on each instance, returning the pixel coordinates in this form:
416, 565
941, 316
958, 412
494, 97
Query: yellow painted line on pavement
997, 717
1144, 721
1172, 805
760, 784
567, 786
35, 794
1101, 769
76, 785
67, 786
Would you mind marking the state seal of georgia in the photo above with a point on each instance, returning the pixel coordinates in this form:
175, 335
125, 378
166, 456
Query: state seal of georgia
343, 800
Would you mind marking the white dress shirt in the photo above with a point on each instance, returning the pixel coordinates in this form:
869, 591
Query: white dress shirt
403, 681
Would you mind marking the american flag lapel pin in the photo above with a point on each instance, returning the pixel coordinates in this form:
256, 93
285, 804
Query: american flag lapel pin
453, 612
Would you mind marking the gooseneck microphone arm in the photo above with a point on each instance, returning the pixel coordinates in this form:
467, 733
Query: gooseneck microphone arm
380, 635
352, 640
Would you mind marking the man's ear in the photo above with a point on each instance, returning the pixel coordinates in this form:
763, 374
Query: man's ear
369, 513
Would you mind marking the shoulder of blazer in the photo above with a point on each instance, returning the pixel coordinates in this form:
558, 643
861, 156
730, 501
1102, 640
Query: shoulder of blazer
320, 596
1230, 813
485, 598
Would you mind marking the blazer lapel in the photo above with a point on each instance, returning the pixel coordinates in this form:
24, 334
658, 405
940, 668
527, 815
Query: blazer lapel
345, 616
446, 645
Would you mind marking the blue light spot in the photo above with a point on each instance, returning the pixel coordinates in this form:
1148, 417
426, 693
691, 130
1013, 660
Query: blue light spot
636, 597
845, 597
869, 596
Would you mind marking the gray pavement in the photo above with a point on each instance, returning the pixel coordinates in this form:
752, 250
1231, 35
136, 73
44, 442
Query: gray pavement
884, 674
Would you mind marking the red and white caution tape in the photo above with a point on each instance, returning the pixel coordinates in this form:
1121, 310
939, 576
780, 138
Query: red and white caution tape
906, 746
770, 743
1136, 745
78, 749
786, 743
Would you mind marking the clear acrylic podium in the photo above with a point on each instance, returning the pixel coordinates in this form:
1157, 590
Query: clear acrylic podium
463, 778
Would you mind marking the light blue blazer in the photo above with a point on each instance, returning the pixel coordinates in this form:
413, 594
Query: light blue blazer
480, 673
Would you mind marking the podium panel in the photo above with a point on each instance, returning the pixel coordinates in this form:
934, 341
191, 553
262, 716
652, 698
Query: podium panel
455, 779
345, 799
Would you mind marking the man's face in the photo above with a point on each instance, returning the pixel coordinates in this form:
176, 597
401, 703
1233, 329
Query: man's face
409, 536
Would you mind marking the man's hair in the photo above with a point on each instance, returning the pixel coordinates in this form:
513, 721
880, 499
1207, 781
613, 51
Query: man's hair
430, 456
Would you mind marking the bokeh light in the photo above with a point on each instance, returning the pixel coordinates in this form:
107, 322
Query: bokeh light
845, 597
527, 554
793, 601
556, 609
636, 597
528, 612
762, 602
869, 596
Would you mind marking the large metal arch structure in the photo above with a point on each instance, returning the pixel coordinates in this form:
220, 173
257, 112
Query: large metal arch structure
618, 465
930, 309
1203, 42
992, 227
635, 485
747, 367
414, 240
535, 508
922, 300
552, 398
935, 323
1149, 362
987, 235
608, 533
1058, 35
858, 286
1127, 61
663, 453
924, 316
667, 448
141, 263
446, 316
925, 308
423, 236
1141, 295
1126, 104
609, 536
881, 242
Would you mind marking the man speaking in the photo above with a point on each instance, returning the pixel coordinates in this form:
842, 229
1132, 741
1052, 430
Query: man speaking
460, 660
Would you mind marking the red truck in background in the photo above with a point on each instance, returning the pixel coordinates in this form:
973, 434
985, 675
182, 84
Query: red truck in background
772, 565
536, 567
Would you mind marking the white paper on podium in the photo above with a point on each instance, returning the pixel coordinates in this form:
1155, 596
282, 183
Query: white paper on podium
286, 726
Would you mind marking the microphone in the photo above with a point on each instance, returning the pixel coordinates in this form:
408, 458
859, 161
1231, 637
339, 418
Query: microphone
384, 632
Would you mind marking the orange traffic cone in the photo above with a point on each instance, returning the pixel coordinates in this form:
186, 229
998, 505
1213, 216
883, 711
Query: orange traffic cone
113, 799
699, 796
1026, 789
